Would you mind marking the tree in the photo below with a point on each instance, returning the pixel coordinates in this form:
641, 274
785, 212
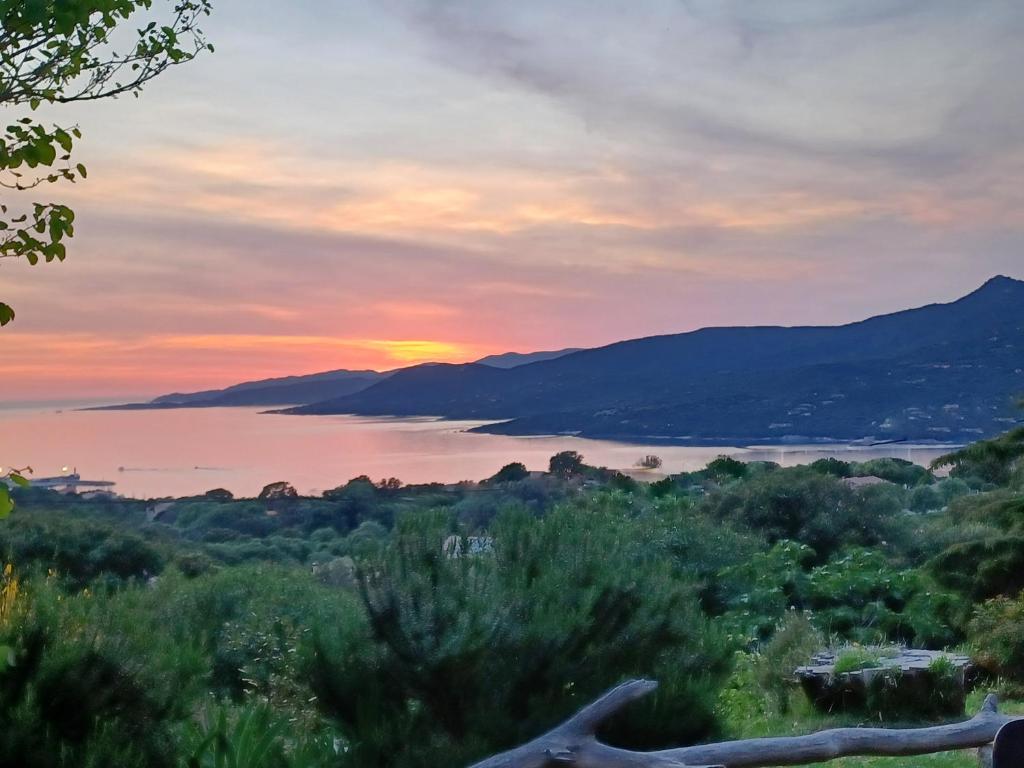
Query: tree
510, 473
58, 52
725, 468
566, 464
390, 484
277, 491
991, 461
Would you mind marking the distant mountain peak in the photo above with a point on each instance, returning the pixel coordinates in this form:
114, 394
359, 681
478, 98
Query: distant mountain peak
1001, 282
516, 359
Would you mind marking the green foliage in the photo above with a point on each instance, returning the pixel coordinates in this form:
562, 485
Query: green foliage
996, 638
856, 659
724, 468
990, 461
982, 569
511, 473
372, 645
794, 642
575, 598
252, 737
802, 505
760, 589
566, 464
78, 696
860, 595
10, 478
898, 471
832, 466
79, 550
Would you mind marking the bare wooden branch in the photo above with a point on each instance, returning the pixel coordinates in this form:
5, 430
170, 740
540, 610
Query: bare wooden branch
573, 744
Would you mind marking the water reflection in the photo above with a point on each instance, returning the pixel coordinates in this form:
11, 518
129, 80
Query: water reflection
181, 452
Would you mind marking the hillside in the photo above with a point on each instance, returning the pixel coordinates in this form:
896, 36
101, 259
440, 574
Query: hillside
944, 372
308, 388
515, 359
287, 390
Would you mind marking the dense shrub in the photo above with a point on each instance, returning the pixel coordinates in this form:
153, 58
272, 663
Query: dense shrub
78, 550
802, 505
574, 599
996, 636
794, 642
982, 569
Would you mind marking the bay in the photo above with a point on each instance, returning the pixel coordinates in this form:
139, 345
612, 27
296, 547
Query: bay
157, 453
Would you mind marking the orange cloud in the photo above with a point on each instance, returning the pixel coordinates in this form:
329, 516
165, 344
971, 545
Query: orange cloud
258, 181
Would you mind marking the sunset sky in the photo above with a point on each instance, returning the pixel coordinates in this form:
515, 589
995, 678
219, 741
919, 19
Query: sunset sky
369, 184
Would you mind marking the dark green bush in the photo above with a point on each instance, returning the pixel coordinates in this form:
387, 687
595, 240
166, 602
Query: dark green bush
463, 656
996, 637
78, 550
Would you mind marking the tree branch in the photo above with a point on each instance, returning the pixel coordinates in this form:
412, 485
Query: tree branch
573, 744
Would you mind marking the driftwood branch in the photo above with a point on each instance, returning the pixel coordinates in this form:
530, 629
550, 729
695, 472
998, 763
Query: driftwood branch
574, 744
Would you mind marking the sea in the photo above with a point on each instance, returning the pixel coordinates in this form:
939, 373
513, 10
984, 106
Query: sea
182, 452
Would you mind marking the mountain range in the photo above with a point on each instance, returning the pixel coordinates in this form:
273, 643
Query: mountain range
943, 372
308, 388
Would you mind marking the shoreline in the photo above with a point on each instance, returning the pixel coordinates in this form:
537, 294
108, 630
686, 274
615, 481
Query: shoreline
861, 442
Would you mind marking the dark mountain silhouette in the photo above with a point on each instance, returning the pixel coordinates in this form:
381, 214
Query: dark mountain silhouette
287, 390
944, 372
309, 388
515, 359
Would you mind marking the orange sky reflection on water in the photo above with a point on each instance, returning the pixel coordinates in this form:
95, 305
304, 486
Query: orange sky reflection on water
189, 451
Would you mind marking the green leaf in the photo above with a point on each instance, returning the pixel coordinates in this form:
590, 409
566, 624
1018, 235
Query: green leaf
6, 503
20, 480
6, 314
63, 138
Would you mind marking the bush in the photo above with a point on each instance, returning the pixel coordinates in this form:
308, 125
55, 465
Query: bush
996, 637
77, 695
982, 569
79, 551
898, 471
794, 642
799, 504
510, 473
574, 598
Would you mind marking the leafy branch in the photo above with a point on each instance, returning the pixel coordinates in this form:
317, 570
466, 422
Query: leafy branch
8, 478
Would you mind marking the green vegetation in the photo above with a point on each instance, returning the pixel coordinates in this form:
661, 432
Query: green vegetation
410, 626
856, 659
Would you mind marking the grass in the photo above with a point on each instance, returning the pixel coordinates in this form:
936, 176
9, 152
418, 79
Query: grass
856, 659
746, 715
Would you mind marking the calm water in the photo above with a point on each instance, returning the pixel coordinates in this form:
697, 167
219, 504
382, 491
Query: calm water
182, 452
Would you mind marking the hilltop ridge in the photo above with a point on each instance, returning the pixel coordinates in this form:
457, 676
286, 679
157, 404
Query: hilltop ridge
944, 372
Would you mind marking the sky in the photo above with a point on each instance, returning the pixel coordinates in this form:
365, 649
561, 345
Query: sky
374, 184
